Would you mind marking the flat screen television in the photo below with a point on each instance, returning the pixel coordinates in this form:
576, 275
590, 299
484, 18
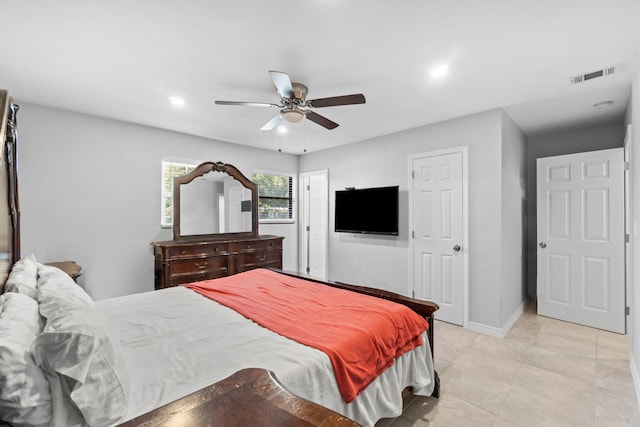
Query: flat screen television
367, 211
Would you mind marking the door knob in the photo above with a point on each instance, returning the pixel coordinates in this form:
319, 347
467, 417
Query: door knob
457, 248
542, 245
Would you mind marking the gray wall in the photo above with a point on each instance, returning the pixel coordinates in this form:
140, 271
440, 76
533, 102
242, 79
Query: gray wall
513, 287
577, 141
90, 192
383, 262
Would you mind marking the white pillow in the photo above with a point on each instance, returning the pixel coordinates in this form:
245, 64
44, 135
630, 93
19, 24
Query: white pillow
23, 277
25, 397
55, 287
84, 362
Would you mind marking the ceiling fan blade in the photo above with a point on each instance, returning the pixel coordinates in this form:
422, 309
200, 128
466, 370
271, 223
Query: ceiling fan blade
250, 104
283, 83
321, 120
272, 123
337, 100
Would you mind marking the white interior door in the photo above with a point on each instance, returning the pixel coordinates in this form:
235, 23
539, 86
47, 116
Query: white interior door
437, 212
580, 208
234, 211
238, 221
315, 223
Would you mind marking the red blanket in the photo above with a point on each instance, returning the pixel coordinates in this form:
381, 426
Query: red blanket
361, 334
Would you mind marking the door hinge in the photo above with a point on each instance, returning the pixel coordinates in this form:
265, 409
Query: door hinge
413, 294
627, 166
308, 187
308, 270
413, 174
626, 311
308, 228
413, 234
627, 238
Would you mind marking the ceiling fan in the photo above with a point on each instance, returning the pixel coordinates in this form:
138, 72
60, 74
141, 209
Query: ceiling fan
293, 100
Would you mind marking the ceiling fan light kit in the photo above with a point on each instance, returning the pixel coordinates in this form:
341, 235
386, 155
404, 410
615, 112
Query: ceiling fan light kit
293, 116
293, 99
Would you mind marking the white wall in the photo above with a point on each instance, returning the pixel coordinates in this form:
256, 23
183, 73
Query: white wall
513, 285
90, 192
383, 261
555, 144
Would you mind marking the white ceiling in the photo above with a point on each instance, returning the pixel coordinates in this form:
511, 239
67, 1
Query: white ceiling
123, 59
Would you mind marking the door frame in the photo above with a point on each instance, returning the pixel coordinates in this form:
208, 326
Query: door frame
304, 220
464, 150
628, 228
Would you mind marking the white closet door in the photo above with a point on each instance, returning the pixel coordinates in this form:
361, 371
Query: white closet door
580, 209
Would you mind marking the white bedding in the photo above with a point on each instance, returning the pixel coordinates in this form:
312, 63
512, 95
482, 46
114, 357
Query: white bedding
177, 341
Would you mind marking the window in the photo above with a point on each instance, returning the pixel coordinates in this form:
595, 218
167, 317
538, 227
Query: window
169, 171
275, 194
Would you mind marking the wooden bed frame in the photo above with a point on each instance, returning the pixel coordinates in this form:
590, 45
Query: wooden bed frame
250, 391
9, 206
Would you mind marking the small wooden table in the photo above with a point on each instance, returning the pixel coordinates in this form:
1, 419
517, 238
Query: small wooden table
70, 267
250, 397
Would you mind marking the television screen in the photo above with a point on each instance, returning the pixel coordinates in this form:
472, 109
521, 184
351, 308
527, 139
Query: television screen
367, 211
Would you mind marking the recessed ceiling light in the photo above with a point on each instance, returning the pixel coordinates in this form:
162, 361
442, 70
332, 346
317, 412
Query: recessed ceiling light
177, 101
602, 105
439, 71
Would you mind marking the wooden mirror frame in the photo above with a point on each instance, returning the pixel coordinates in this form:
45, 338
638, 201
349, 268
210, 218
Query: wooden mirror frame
201, 170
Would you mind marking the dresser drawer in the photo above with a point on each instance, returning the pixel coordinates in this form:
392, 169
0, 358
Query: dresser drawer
199, 250
258, 245
247, 267
179, 279
199, 265
246, 261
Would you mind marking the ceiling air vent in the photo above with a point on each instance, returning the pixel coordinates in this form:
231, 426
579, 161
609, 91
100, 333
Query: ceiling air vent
594, 74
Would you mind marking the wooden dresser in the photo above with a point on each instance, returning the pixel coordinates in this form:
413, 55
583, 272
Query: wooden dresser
197, 251
178, 262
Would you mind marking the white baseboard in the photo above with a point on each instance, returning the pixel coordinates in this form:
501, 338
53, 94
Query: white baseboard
499, 332
485, 329
635, 376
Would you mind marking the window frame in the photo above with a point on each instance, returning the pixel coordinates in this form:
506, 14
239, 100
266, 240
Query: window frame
292, 199
164, 195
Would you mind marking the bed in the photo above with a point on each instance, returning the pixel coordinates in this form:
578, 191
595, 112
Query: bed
68, 360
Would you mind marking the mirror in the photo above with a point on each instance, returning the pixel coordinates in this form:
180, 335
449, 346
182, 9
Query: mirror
215, 200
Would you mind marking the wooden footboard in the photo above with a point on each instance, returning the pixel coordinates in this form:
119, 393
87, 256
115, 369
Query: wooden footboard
250, 397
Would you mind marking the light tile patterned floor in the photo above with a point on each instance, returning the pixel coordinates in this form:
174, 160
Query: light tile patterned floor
545, 372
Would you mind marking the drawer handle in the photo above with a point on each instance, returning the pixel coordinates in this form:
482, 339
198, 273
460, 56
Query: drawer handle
201, 266
183, 252
262, 258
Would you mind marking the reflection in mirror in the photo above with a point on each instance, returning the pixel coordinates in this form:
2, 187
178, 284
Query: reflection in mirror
214, 203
